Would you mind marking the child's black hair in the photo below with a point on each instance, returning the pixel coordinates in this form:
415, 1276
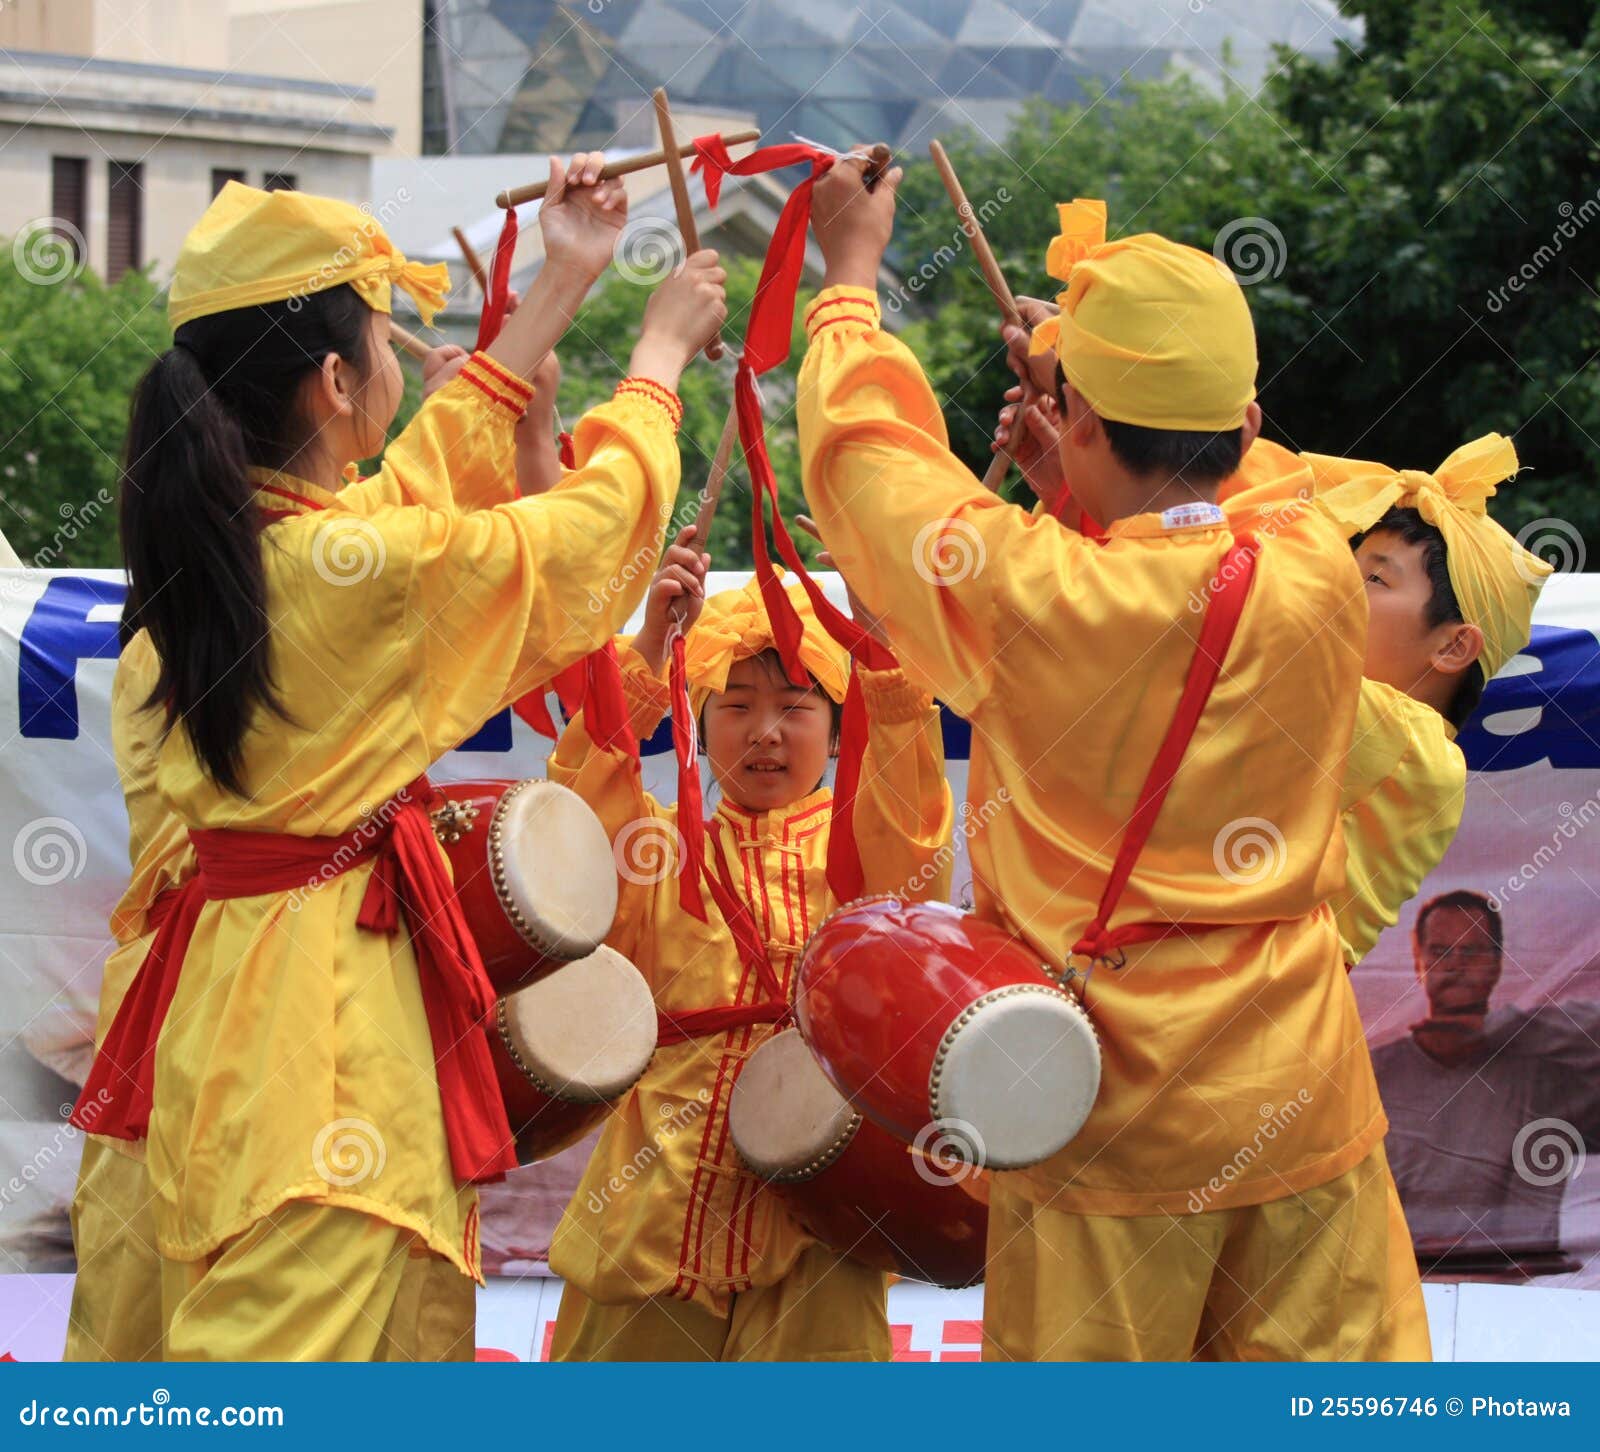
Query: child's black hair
1443, 607
221, 400
1197, 457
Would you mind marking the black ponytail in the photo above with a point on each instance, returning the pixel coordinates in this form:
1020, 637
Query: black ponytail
221, 400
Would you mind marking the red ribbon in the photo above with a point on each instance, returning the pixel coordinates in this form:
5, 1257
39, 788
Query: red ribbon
498, 298
691, 805
1228, 590
409, 882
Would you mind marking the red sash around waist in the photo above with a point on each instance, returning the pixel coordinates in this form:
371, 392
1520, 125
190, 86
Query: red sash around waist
409, 874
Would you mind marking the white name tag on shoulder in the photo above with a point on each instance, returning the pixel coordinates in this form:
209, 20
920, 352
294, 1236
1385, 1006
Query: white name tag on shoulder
1192, 516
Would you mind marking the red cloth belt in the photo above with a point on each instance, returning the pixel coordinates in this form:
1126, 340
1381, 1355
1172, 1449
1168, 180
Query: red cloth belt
408, 875
1226, 596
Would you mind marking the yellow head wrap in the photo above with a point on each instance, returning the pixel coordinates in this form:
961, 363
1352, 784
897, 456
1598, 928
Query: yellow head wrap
252, 247
734, 626
1150, 332
1495, 579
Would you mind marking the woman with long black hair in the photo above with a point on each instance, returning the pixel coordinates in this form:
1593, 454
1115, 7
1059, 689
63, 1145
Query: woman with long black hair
302, 1042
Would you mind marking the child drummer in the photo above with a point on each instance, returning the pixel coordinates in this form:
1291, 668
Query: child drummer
671, 1249
1216, 982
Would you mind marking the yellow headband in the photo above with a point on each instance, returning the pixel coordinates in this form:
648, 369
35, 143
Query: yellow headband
1150, 332
1496, 580
734, 626
253, 247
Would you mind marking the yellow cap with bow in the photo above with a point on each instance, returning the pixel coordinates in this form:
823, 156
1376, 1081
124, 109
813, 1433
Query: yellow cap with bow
1496, 581
733, 626
252, 247
1150, 332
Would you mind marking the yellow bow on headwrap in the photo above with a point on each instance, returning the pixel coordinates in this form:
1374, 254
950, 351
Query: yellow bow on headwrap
734, 626
1496, 581
1150, 332
252, 247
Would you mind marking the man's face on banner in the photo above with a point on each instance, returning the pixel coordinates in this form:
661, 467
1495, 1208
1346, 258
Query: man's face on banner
1457, 961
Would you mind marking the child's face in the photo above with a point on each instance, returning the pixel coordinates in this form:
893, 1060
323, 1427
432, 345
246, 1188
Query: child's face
1400, 643
768, 741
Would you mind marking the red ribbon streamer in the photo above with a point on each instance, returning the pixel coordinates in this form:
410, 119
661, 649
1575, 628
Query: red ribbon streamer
498, 297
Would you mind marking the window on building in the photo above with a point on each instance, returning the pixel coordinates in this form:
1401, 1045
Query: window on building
280, 181
125, 219
221, 176
69, 200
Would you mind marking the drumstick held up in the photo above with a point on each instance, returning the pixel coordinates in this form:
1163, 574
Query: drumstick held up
680, 192
516, 196
470, 255
995, 476
408, 342
713, 490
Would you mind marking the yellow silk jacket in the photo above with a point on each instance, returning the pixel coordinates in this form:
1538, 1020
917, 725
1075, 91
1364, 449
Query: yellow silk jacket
1232, 1047
665, 1206
296, 1062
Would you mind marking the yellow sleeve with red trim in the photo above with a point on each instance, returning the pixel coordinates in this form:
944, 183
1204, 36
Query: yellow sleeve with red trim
500, 600
458, 452
643, 833
904, 810
939, 558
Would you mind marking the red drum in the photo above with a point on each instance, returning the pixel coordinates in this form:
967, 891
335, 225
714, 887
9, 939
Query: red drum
568, 1045
852, 1185
533, 871
931, 1021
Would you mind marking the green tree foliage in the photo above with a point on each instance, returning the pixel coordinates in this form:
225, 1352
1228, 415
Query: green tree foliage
71, 352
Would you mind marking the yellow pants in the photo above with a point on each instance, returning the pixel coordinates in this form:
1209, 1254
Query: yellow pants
1317, 1276
827, 1308
312, 1283
116, 1299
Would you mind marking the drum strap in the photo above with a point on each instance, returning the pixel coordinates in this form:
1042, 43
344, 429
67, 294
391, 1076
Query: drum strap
706, 1022
409, 878
1225, 602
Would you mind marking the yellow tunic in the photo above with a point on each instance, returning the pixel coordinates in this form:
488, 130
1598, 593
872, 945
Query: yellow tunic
296, 1062
1404, 791
665, 1206
1068, 657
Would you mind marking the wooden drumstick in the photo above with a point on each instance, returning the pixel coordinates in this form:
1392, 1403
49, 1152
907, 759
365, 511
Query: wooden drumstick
713, 491
470, 254
516, 196
1000, 465
409, 342
680, 193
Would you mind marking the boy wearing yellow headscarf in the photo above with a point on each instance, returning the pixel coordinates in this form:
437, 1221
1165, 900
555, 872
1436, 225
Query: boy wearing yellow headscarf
1227, 1195
671, 1249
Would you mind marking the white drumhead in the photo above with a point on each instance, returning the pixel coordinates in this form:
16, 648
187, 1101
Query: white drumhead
785, 1117
1019, 1075
587, 1031
554, 869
